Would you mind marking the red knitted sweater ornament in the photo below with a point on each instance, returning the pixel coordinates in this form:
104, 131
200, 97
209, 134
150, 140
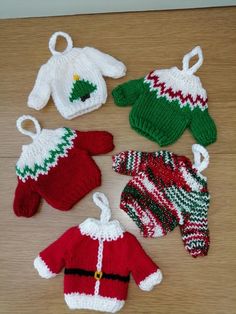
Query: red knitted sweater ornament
98, 257
58, 167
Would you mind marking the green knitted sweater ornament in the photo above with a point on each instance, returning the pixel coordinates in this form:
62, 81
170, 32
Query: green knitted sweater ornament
168, 101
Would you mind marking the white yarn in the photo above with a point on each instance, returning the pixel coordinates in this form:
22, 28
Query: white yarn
198, 152
93, 302
97, 230
150, 281
195, 51
101, 201
43, 268
99, 265
57, 78
53, 40
102, 229
40, 149
21, 119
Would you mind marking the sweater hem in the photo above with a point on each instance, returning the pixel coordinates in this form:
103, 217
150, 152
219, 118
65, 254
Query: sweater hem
93, 302
93, 184
146, 129
80, 112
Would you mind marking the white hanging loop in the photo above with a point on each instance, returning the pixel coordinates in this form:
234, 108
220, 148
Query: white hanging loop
101, 201
53, 40
198, 152
196, 51
21, 119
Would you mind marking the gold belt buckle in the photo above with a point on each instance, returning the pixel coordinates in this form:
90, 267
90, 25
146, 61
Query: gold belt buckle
98, 275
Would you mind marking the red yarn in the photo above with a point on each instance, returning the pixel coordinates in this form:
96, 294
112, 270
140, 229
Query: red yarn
120, 257
69, 180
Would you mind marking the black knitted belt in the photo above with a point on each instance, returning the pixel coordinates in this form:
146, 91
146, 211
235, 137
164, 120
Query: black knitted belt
96, 274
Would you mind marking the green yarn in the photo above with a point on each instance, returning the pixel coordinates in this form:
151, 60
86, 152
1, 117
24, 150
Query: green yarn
166, 218
81, 90
126, 94
129, 210
160, 119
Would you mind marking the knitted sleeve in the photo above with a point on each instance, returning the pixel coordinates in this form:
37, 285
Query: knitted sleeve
144, 271
95, 142
195, 232
108, 65
131, 162
51, 260
127, 93
26, 201
40, 94
203, 128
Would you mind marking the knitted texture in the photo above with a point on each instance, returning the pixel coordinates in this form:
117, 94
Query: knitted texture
98, 257
166, 191
166, 102
74, 78
58, 167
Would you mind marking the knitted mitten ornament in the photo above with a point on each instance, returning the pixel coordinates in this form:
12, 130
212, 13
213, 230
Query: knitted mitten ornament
98, 257
74, 78
57, 167
166, 102
166, 191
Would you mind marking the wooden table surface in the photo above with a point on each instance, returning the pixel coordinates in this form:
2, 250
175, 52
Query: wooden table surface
143, 41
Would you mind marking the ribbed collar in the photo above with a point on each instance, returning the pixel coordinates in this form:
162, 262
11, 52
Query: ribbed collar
97, 230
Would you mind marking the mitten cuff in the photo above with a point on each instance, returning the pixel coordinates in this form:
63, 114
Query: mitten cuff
197, 247
119, 96
42, 268
150, 281
36, 102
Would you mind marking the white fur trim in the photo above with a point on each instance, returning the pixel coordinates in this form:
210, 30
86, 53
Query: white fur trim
98, 230
39, 150
93, 302
43, 269
150, 281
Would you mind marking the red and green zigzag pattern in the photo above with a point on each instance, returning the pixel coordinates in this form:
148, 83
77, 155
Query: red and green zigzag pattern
170, 94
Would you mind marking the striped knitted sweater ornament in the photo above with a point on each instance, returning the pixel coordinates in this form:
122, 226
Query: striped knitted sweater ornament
57, 166
166, 102
74, 78
167, 190
98, 257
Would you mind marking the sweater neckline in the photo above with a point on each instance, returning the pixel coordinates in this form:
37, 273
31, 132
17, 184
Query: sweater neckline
43, 153
97, 230
178, 84
65, 56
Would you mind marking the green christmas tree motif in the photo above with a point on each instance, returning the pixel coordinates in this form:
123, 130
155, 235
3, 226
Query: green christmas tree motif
81, 89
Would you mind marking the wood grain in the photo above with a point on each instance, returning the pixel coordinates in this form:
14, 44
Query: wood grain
143, 41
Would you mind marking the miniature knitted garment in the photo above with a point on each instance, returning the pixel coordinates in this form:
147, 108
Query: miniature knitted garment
166, 191
166, 102
57, 167
98, 257
74, 78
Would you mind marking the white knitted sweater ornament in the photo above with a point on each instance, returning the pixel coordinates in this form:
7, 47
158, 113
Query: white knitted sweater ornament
74, 78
